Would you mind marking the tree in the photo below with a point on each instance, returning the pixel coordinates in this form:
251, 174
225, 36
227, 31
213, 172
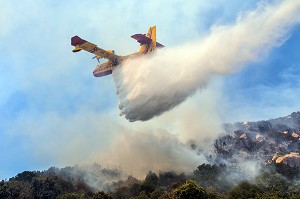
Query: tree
212, 193
101, 195
190, 189
151, 179
244, 190
150, 182
27, 176
69, 196
170, 179
273, 183
158, 192
208, 174
142, 195
212, 176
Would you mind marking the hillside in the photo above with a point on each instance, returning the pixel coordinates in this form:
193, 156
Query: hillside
272, 141
250, 159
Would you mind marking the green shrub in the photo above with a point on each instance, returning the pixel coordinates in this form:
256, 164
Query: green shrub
244, 190
190, 189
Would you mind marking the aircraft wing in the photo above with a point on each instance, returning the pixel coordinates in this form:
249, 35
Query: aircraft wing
143, 39
92, 48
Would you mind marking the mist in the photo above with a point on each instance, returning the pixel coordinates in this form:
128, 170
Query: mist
149, 86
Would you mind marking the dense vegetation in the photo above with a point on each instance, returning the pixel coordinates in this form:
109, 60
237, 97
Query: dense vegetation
207, 181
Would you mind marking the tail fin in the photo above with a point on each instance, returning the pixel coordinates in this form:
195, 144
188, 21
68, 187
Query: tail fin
148, 47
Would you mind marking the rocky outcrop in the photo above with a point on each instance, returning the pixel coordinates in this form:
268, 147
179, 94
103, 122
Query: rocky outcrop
291, 159
261, 140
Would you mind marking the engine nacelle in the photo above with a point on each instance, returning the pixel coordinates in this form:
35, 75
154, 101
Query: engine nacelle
111, 51
76, 49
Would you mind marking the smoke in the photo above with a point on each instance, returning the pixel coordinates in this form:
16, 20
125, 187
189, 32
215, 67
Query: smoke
141, 151
67, 119
149, 86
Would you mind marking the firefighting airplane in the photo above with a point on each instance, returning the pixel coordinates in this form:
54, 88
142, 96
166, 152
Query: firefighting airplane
147, 42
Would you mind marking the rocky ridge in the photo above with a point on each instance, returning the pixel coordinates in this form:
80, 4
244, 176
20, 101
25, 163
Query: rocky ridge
274, 141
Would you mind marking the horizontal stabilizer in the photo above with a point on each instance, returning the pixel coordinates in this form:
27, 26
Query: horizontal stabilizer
143, 39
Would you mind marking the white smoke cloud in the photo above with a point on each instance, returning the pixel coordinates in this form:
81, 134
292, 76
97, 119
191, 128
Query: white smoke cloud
156, 150
151, 85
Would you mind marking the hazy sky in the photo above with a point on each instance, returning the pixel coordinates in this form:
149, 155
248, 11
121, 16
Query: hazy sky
54, 112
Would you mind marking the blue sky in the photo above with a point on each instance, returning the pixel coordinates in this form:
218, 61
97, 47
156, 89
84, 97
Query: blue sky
51, 105
271, 87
